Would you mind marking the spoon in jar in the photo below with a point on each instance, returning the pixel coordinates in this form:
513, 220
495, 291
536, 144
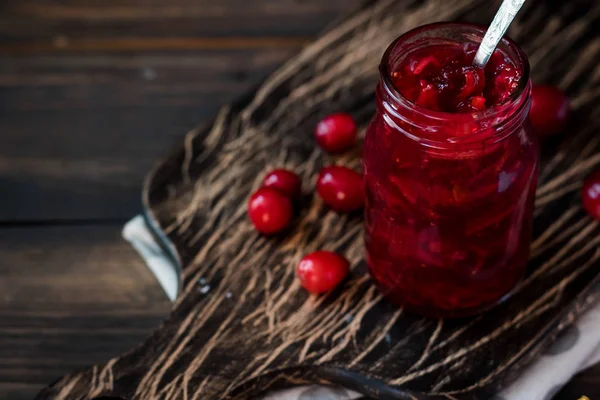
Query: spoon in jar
503, 18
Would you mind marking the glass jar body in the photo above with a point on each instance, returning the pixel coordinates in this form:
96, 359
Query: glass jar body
448, 224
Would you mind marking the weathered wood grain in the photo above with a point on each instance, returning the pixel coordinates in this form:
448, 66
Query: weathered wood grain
48, 171
113, 85
243, 325
41, 21
110, 80
69, 296
79, 131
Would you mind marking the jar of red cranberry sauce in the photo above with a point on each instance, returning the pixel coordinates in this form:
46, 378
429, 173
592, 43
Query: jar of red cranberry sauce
450, 168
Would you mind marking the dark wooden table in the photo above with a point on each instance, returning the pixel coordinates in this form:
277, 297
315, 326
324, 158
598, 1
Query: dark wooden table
92, 93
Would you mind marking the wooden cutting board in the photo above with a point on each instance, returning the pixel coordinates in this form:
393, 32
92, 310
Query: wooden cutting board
242, 324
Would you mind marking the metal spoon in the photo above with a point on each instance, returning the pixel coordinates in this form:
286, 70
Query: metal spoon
503, 18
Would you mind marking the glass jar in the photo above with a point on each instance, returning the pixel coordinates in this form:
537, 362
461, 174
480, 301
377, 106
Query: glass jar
449, 196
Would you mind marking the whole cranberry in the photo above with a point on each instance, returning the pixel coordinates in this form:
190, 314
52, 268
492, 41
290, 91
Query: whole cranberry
269, 210
549, 110
590, 194
340, 188
286, 181
336, 132
322, 271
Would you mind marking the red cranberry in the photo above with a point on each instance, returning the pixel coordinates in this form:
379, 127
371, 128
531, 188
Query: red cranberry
590, 194
478, 103
340, 188
322, 271
269, 210
549, 110
285, 181
428, 96
336, 132
419, 65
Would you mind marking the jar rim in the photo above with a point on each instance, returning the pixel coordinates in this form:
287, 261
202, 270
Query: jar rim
513, 101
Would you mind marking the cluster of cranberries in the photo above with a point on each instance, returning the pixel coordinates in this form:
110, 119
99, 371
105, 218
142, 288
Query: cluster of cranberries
271, 208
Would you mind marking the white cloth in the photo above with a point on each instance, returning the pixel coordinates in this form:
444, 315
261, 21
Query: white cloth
577, 348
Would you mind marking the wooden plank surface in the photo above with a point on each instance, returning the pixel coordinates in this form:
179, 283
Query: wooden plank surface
79, 131
70, 295
80, 80
92, 93
41, 20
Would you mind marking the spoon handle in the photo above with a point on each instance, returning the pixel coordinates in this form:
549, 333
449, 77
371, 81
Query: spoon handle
503, 18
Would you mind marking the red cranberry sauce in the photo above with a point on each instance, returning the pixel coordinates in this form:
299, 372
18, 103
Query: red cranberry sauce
449, 196
443, 78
